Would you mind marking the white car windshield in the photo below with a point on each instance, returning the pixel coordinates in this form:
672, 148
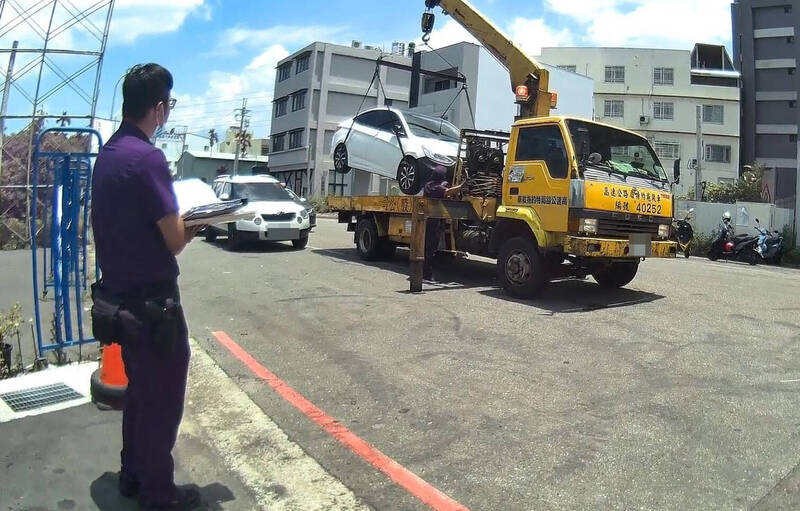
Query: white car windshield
432, 127
260, 192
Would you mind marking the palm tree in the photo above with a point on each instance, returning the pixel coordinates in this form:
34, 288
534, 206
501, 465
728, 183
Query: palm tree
212, 139
245, 141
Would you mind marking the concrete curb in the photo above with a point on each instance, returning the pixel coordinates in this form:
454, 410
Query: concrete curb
278, 472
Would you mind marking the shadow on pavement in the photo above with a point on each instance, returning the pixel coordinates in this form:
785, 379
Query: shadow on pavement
107, 498
562, 296
256, 247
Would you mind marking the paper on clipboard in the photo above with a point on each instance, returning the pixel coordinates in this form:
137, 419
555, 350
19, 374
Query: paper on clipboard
198, 205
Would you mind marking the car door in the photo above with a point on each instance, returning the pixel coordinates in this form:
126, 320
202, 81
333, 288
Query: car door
385, 148
360, 140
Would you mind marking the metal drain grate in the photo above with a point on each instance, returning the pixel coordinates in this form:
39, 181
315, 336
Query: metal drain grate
37, 397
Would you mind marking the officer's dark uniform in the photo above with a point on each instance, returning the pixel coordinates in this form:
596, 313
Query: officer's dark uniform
131, 191
435, 189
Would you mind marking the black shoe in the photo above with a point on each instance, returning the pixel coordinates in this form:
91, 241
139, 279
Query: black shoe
183, 500
128, 486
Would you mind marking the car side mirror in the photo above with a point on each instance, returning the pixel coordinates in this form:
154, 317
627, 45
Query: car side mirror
398, 130
676, 171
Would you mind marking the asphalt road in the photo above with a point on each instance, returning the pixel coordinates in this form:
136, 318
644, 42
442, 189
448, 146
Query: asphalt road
677, 392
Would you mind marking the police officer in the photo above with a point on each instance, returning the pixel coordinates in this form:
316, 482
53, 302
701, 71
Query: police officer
138, 232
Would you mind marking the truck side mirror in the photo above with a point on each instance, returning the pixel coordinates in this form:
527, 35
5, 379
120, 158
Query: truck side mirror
676, 171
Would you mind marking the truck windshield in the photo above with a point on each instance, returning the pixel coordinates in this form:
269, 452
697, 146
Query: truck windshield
621, 152
431, 127
260, 192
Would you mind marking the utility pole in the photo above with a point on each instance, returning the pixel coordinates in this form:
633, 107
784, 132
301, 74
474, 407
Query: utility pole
698, 181
242, 117
4, 104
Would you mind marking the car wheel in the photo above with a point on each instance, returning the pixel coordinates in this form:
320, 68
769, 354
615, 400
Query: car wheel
520, 268
616, 274
301, 243
234, 241
211, 234
340, 160
409, 177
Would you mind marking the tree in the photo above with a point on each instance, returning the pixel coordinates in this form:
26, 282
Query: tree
747, 188
212, 139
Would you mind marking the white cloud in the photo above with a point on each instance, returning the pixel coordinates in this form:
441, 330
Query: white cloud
649, 23
214, 108
133, 19
243, 37
532, 34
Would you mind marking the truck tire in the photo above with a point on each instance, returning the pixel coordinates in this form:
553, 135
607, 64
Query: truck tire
367, 240
211, 234
521, 269
616, 275
386, 249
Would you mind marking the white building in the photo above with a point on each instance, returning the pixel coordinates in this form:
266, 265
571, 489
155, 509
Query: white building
489, 89
316, 88
656, 92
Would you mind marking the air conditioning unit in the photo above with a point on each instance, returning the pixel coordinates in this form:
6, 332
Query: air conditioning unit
644, 119
692, 163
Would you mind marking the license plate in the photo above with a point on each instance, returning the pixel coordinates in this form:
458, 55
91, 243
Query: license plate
640, 245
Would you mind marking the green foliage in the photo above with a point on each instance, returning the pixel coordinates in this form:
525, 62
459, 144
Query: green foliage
742, 190
792, 256
320, 205
700, 244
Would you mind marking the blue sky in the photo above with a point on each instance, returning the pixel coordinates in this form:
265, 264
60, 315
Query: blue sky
222, 50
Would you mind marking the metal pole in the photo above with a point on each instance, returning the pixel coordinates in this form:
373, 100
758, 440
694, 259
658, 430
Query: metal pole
4, 104
797, 200
100, 68
113, 102
238, 136
698, 181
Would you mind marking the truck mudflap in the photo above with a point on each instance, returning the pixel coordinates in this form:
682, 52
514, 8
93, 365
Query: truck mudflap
616, 248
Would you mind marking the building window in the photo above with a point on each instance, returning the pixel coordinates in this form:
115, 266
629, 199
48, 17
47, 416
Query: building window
298, 100
668, 150
570, 68
302, 63
284, 71
792, 104
725, 180
277, 142
280, 107
718, 153
295, 139
713, 114
614, 108
790, 39
792, 138
787, 9
387, 102
615, 74
663, 110
663, 76
790, 70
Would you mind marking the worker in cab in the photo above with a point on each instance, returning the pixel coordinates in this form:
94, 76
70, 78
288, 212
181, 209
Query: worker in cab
138, 233
436, 188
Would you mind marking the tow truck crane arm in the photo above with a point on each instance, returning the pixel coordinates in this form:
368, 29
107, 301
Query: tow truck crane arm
535, 100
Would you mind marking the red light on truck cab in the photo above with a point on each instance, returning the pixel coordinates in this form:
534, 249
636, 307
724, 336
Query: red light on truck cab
522, 91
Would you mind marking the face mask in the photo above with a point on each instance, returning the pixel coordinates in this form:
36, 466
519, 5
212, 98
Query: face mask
160, 130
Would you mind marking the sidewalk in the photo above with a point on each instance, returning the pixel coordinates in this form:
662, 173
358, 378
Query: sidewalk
67, 459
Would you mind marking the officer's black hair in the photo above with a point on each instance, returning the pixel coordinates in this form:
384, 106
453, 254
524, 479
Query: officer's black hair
145, 85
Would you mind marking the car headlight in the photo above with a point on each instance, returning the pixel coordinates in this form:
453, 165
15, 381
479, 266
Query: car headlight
299, 220
588, 225
257, 220
663, 230
438, 158
304, 213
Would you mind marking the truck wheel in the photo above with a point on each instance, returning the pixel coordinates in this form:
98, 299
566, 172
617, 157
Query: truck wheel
340, 160
367, 241
386, 249
520, 268
409, 177
616, 274
211, 234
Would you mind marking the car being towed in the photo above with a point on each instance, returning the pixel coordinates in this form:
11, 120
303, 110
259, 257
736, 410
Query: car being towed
397, 144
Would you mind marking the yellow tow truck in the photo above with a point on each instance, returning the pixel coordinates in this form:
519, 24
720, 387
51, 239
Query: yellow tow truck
555, 197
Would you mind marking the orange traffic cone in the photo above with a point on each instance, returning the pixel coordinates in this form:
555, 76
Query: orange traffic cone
109, 382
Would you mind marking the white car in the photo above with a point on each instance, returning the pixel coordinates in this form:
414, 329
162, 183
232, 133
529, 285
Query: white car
397, 144
278, 216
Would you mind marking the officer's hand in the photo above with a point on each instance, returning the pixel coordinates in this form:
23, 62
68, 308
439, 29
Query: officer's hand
191, 232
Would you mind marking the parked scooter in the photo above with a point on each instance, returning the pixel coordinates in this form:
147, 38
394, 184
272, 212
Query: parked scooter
727, 246
769, 245
682, 233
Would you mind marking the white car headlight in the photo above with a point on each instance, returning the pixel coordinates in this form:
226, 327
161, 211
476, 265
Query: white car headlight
304, 213
257, 220
438, 158
588, 225
663, 231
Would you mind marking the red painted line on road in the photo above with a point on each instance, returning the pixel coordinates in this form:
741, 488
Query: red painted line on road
415, 485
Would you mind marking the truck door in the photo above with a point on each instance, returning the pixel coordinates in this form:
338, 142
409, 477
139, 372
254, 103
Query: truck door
538, 174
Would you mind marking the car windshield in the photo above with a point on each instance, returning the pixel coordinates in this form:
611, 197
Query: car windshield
432, 127
621, 152
260, 192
